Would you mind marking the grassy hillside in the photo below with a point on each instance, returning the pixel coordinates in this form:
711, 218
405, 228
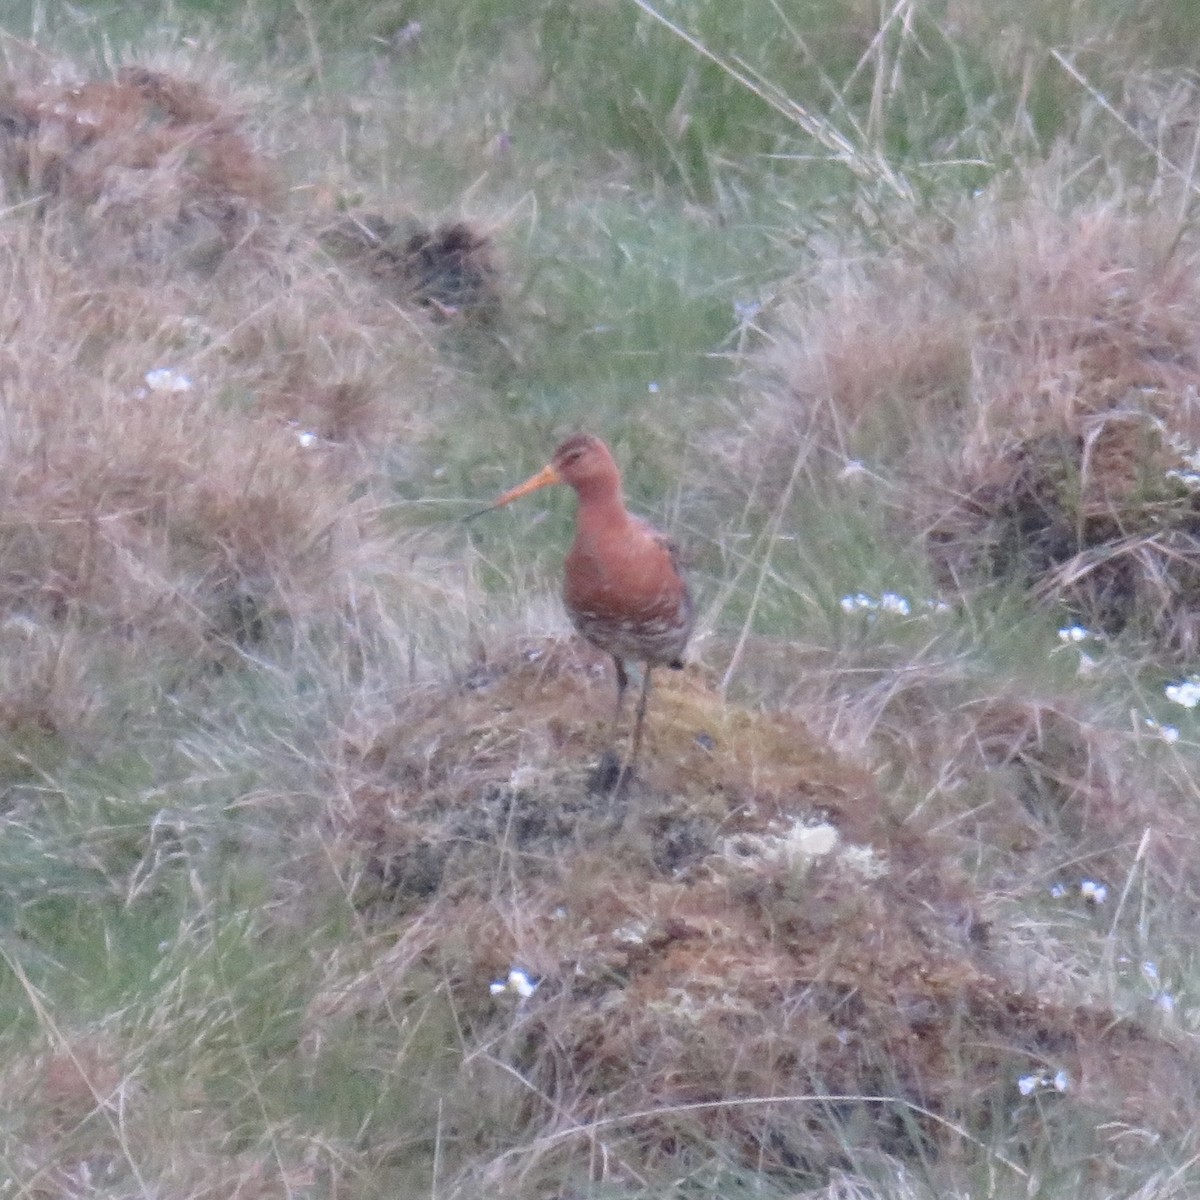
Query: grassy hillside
889, 315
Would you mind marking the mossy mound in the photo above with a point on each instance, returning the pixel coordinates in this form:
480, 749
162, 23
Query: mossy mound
749, 942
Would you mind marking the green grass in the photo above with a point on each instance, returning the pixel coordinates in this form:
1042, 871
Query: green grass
177, 896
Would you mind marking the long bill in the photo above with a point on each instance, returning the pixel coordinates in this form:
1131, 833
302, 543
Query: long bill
546, 476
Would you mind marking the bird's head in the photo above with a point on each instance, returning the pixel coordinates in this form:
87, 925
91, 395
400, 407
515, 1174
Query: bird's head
583, 462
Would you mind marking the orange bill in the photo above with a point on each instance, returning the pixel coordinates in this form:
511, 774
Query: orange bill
546, 476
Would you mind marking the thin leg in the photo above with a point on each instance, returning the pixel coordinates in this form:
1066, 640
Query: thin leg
631, 761
622, 682
609, 771
641, 716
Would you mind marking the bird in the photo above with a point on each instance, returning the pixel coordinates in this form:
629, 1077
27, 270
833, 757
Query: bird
623, 586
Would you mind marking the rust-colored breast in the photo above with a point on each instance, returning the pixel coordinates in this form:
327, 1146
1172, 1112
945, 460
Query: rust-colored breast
625, 594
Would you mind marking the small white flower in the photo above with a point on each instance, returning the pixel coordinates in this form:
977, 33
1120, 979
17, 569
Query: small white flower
305, 437
1164, 1002
936, 606
652, 388
1073, 633
1189, 479
167, 379
518, 982
852, 470
1058, 890
1093, 892
889, 602
1168, 733
1043, 1081
1186, 693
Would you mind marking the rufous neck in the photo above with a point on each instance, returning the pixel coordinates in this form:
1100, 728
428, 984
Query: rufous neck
601, 502
600, 490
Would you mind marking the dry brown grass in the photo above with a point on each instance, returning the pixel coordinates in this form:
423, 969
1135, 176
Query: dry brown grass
88, 1122
770, 952
204, 409
760, 923
149, 165
1029, 382
1039, 782
193, 453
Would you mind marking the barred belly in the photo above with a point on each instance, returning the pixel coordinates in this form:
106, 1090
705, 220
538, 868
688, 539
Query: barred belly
656, 638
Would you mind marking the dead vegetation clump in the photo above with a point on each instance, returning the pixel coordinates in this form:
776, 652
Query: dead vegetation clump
136, 500
1031, 385
147, 166
193, 462
449, 270
152, 167
752, 923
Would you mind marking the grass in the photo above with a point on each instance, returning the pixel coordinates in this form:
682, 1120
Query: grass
887, 315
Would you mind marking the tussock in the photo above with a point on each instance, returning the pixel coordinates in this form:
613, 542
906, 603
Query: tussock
148, 165
1034, 771
759, 923
129, 505
192, 462
1030, 384
450, 270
